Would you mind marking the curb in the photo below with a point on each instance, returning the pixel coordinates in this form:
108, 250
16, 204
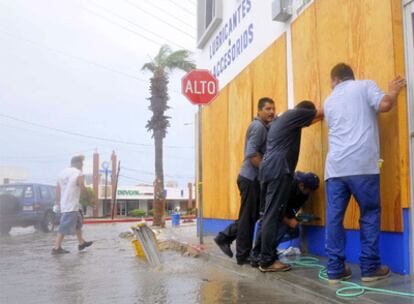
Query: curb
293, 281
127, 220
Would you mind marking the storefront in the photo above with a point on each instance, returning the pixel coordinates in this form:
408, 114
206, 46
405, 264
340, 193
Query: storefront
141, 197
260, 48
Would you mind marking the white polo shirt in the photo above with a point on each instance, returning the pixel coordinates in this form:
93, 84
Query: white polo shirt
351, 112
69, 190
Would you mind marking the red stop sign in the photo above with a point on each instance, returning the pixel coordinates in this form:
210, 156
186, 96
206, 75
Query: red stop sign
200, 87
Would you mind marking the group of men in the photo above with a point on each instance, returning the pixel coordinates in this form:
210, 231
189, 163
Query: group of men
271, 190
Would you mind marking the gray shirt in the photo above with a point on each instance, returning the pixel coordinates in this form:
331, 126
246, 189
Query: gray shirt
351, 112
255, 144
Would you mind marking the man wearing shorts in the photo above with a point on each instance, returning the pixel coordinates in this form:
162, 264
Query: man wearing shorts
69, 187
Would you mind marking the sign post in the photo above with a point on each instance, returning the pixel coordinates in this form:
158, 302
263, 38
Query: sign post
105, 166
201, 88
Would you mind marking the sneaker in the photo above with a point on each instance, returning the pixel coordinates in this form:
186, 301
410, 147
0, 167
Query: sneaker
346, 275
84, 245
277, 266
254, 263
225, 247
244, 261
60, 250
381, 273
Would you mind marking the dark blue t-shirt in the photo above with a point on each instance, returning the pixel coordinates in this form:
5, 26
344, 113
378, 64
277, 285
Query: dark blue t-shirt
283, 143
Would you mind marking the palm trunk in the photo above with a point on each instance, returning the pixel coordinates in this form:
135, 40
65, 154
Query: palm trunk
158, 124
159, 195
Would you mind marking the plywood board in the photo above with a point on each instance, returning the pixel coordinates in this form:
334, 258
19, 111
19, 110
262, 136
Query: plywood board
333, 44
306, 87
269, 75
401, 103
215, 157
371, 45
240, 116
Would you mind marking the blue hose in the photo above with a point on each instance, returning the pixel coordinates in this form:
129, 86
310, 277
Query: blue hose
350, 289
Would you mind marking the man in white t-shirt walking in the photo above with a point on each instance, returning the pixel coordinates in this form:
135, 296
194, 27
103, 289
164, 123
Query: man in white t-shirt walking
69, 187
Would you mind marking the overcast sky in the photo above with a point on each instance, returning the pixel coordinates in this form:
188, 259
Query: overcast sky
75, 65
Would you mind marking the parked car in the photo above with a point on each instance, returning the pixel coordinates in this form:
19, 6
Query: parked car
23, 205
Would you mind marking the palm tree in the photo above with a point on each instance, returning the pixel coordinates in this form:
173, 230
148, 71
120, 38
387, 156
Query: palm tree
164, 63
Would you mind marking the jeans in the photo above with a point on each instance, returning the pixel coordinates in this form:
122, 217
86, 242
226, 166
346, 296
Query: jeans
366, 190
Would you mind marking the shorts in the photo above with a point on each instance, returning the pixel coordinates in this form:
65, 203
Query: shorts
70, 222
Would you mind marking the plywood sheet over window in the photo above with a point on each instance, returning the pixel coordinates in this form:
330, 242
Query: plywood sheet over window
270, 75
306, 87
401, 103
361, 34
215, 157
240, 116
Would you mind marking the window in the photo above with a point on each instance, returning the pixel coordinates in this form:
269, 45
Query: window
209, 17
44, 192
209, 12
16, 191
52, 192
28, 192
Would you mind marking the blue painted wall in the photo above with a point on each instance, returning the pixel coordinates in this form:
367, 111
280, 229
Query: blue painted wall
394, 246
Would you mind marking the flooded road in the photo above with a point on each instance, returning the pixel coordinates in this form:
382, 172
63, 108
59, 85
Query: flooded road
108, 272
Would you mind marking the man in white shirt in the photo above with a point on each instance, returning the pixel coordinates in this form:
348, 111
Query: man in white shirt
69, 187
351, 112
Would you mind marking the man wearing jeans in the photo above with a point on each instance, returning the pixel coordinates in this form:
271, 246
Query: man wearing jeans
352, 168
69, 187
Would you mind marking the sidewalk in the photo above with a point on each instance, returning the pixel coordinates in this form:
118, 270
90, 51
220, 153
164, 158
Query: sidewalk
108, 220
299, 279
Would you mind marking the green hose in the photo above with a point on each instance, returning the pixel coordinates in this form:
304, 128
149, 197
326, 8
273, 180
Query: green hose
351, 289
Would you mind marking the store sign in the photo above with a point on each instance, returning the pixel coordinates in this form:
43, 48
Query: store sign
232, 39
128, 193
134, 194
246, 30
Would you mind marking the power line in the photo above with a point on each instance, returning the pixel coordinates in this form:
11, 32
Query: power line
183, 8
74, 57
87, 136
137, 25
101, 147
40, 157
134, 179
158, 18
121, 26
193, 3
81, 59
169, 14
152, 174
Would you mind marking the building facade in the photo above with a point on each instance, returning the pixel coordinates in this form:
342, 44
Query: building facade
284, 49
141, 197
12, 174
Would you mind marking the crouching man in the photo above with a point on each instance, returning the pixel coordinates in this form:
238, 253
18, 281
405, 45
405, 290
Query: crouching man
303, 185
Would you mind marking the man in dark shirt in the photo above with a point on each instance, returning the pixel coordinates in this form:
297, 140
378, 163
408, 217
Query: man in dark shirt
255, 145
276, 174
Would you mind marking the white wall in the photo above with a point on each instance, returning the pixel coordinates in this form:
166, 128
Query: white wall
261, 32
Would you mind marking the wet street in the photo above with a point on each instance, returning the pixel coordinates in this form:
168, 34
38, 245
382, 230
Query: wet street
108, 272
